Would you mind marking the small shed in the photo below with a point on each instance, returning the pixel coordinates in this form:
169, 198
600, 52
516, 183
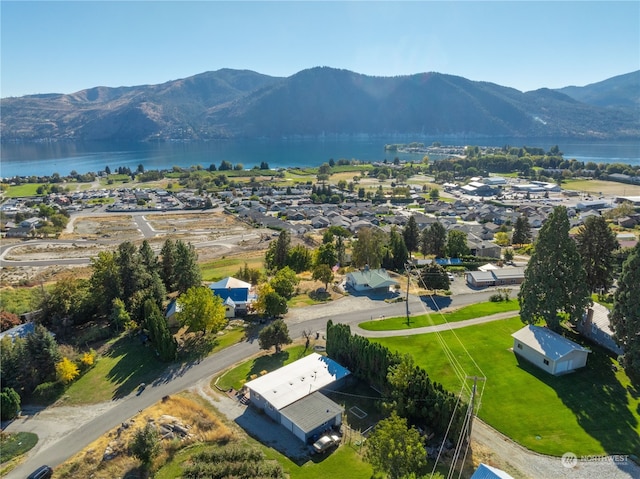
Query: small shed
480, 278
548, 350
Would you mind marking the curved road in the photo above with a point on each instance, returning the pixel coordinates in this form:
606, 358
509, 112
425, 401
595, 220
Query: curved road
313, 318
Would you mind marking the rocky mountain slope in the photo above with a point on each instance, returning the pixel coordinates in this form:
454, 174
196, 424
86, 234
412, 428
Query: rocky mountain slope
324, 101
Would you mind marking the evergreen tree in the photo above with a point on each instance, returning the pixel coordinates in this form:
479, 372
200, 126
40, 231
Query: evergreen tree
9, 404
625, 315
434, 276
105, 282
41, 354
130, 270
145, 444
187, 272
596, 243
411, 235
278, 252
521, 231
398, 250
457, 244
554, 280
148, 258
168, 264
433, 240
159, 333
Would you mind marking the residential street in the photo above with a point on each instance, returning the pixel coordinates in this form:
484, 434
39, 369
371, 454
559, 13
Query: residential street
60, 438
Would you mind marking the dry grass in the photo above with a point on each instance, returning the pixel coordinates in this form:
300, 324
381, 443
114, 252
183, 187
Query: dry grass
607, 188
202, 425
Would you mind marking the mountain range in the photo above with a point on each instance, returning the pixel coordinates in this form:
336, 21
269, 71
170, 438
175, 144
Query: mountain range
325, 101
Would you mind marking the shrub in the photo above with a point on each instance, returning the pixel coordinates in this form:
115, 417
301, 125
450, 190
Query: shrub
47, 392
9, 403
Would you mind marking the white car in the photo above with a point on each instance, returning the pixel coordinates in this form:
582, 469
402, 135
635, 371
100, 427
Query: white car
326, 442
451, 276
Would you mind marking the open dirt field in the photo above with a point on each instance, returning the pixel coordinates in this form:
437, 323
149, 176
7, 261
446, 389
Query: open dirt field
600, 187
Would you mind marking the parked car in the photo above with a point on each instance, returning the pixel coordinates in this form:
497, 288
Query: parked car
451, 276
43, 472
325, 443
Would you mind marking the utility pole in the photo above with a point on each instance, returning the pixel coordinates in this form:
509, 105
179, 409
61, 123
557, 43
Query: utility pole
470, 410
408, 268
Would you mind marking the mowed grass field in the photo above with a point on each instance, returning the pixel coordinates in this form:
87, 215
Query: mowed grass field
609, 188
595, 410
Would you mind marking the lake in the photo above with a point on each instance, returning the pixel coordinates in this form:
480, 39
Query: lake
46, 158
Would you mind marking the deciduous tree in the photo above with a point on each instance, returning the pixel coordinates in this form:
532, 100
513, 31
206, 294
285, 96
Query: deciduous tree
457, 244
284, 282
200, 310
395, 449
323, 273
67, 370
625, 315
596, 243
275, 335
369, 248
9, 403
554, 280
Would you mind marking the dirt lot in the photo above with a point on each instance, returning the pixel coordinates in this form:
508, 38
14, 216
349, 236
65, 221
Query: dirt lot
214, 234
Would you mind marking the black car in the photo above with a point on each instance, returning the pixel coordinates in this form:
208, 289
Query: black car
43, 472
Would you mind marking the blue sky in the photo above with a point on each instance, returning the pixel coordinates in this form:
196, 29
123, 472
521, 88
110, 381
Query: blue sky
64, 47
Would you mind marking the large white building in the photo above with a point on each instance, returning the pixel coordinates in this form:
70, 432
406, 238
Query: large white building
291, 395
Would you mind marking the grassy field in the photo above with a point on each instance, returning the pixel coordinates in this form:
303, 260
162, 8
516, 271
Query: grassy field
595, 410
468, 312
127, 364
26, 189
221, 268
602, 187
21, 300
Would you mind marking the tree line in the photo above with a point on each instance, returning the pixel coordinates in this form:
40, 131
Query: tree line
407, 388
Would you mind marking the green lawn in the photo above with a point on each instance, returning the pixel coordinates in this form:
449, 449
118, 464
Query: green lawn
13, 445
127, 364
592, 411
236, 377
25, 189
468, 312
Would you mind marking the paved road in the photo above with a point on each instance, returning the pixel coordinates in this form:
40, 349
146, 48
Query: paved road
350, 310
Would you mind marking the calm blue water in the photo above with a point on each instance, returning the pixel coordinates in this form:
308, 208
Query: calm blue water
64, 157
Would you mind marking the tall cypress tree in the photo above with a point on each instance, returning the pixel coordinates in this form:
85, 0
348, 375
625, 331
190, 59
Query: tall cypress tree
168, 253
411, 235
555, 280
625, 315
521, 231
596, 243
187, 272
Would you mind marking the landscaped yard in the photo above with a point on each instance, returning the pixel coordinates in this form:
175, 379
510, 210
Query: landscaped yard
468, 312
592, 411
128, 363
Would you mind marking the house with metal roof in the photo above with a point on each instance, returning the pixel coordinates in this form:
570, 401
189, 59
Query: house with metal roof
291, 395
370, 280
596, 326
548, 350
487, 472
239, 292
